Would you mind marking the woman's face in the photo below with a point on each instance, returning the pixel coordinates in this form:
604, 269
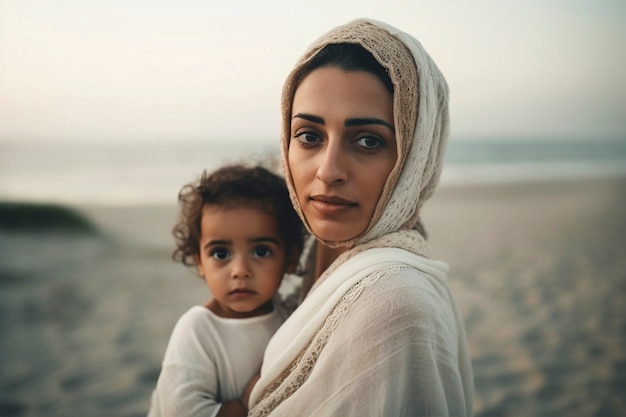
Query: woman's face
342, 149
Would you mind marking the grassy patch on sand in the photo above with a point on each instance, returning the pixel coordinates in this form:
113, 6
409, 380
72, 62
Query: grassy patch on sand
43, 217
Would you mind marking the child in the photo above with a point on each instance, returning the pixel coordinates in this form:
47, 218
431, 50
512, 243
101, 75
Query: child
238, 227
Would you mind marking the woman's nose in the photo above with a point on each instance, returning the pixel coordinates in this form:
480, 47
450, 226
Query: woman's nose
240, 268
332, 164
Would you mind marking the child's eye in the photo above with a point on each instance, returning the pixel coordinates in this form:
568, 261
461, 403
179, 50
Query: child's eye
220, 254
261, 252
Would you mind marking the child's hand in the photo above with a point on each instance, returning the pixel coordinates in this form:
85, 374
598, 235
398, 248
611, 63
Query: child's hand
232, 408
245, 396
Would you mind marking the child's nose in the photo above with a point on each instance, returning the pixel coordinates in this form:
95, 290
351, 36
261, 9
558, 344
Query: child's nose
241, 268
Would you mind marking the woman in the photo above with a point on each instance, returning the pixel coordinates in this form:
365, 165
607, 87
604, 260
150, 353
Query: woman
363, 141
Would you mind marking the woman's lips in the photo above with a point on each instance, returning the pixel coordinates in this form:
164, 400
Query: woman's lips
331, 205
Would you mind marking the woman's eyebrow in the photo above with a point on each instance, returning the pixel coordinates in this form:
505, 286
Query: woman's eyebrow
368, 121
309, 117
358, 121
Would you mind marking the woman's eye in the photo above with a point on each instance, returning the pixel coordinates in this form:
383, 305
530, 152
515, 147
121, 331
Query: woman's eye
261, 252
307, 138
220, 254
370, 142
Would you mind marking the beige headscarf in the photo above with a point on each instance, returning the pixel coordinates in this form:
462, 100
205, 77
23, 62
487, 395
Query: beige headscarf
420, 108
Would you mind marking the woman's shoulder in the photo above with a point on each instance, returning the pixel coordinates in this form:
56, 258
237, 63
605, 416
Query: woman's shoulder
384, 259
405, 290
418, 276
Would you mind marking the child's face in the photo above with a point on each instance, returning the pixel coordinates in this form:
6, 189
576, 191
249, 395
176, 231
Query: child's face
242, 259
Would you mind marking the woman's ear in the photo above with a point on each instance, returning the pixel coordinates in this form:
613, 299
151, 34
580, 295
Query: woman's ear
198, 262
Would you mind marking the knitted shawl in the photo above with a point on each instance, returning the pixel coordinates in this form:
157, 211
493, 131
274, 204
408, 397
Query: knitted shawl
422, 125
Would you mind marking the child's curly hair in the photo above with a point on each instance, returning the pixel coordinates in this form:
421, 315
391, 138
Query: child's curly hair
234, 186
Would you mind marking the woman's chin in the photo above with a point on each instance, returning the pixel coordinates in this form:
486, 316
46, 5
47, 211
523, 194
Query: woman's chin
334, 234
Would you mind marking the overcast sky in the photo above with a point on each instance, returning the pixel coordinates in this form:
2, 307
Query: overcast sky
200, 69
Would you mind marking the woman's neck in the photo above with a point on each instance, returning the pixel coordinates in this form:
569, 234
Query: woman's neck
325, 256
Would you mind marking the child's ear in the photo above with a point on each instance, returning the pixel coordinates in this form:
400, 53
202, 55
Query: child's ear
292, 260
198, 262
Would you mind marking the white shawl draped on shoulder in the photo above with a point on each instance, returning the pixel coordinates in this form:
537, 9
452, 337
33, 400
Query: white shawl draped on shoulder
389, 307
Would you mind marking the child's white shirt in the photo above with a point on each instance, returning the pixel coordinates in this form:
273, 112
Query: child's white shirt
210, 360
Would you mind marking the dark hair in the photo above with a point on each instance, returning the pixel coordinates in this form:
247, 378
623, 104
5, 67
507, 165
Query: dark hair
348, 57
234, 186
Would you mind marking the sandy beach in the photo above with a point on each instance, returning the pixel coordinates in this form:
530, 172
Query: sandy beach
538, 270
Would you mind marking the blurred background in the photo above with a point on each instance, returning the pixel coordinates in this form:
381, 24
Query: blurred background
108, 108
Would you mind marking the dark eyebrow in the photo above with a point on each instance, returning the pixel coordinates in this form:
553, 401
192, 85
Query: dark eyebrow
217, 243
368, 121
362, 121
262, 239
310, 118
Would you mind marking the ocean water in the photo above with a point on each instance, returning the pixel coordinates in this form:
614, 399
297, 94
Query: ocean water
129, 173
114, 173
501, 161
